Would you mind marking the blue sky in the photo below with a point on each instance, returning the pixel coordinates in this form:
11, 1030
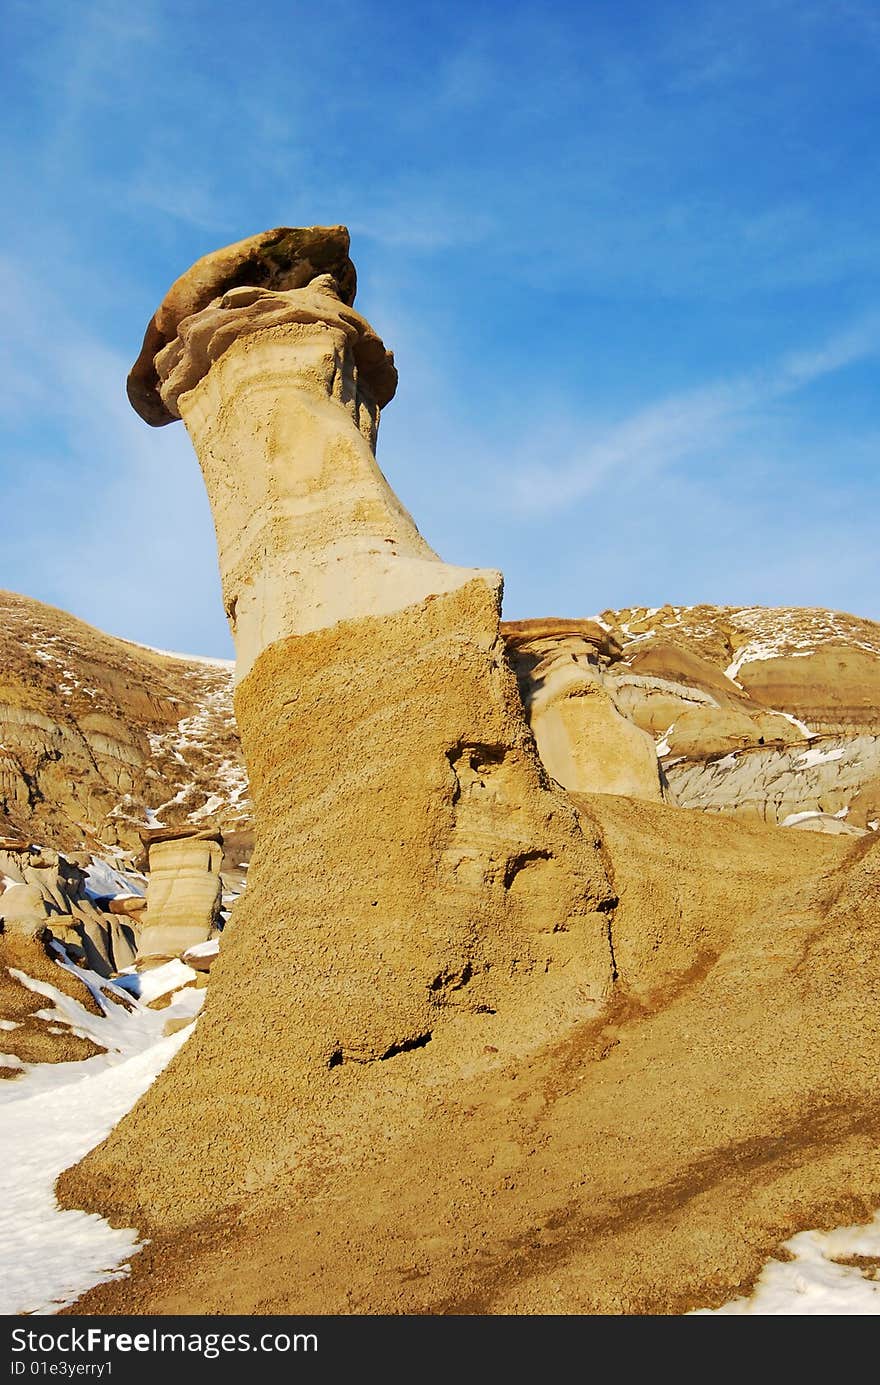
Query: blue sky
626, 255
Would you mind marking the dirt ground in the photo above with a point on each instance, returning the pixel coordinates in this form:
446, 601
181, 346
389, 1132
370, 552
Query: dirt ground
648, 1159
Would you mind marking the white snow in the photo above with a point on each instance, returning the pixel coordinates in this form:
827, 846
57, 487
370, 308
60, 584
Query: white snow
156, 981
102, 879
749, 654
794, 818
206, 949
810, 735
812, 1284
53, 1115
197, 743
663, 743
817, 756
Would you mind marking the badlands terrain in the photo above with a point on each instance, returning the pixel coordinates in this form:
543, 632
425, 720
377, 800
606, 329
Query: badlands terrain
448, 964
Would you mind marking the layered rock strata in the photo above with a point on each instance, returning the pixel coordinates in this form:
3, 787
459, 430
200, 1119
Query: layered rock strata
414, 865
586, 743
758, 713
98, 736
184, 890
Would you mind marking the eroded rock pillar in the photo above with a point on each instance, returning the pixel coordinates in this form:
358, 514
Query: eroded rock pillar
412, 857
183, 890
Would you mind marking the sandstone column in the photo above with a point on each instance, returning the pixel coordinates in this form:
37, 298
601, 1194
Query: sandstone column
184, 889
416, 876
584, 740
411, 853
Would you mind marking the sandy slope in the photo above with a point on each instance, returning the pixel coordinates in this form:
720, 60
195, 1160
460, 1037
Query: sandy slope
648, 1161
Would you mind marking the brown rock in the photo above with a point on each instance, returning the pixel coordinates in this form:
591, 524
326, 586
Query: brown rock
283, 258
96, 729
131, 905
183, 890
520, 634
585, 742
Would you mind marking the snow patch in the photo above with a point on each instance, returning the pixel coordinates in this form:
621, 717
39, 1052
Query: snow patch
810, 735
208, 808
51, 1117
663, 743
149, 985
794, 818
206, 949
814, 1283
817, 756
102, 880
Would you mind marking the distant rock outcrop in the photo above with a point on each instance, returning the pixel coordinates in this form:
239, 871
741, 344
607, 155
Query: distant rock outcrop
184, 890
760, 713
99, 738
43, 893
584, 740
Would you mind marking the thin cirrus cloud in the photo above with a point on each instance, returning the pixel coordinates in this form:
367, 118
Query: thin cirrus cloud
685, 426
102, 516
608, 244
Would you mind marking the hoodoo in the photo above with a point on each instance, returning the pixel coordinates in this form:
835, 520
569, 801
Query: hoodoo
473, 1042
414, 862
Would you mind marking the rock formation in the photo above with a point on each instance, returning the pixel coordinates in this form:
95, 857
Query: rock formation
767, 714
184, 890
98, 736
46, 916
473, 1043
43, 893
176, 757
584, 740
353, 637
413, 863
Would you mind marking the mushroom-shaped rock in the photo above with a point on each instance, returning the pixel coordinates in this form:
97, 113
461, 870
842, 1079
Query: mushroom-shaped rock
523, 634
414, 867
283, 258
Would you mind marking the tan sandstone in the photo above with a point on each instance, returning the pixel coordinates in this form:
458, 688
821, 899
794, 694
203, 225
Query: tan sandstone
533, 1051
183, 891
584, 740
413, 863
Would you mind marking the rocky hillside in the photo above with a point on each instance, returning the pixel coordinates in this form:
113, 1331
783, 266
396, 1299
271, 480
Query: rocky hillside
771, 714
100, 738
766, 713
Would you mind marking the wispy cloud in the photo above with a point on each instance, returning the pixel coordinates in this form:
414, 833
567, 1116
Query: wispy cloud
102, 515
686, 426
90, 48
423, 222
